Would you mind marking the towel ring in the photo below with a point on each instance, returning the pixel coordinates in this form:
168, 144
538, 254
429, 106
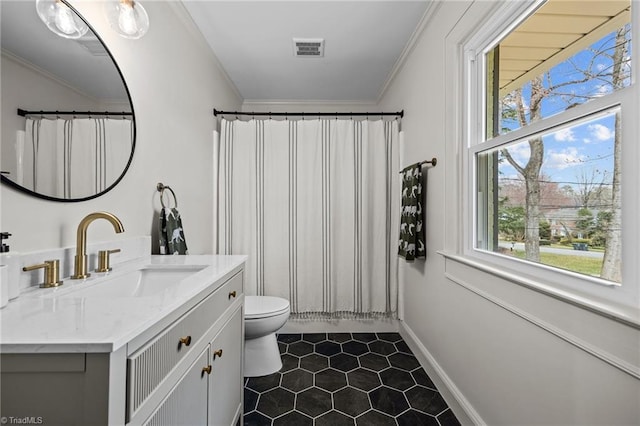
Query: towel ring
161, 187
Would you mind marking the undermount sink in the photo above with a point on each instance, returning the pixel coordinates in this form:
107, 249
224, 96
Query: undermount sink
144, 282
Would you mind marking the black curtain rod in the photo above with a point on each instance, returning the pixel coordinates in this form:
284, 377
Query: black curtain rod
310, 114
23, 113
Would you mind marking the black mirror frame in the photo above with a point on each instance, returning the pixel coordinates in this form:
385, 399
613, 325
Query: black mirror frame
27, 191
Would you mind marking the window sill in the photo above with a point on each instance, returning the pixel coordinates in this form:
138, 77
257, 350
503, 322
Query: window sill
623, 314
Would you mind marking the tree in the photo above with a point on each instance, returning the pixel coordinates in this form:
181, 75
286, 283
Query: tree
552, 197
601, 228
545, 229
612, 261
590, 187
585, 223
511, 223
531, 171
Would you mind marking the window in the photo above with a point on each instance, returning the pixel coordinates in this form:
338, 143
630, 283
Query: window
553, 113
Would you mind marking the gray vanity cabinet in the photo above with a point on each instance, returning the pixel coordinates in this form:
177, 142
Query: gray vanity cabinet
186, 370
225, 390
60, 388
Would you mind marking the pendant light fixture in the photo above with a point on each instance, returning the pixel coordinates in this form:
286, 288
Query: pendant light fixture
128, 18
60, 19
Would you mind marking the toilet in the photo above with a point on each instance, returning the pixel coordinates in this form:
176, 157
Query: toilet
263, 316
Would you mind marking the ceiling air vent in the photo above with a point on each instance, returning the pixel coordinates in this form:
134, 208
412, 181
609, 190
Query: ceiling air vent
308, 47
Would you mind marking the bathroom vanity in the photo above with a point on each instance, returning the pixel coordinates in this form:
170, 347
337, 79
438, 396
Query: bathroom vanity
157, 341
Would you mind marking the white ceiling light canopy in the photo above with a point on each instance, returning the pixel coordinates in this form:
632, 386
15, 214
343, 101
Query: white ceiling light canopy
308, 47
128, 18
60, 19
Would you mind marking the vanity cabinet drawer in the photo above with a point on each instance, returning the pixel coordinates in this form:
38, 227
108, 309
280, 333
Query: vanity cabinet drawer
148, 366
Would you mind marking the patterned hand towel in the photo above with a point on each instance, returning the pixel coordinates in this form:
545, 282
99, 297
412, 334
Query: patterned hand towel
411, 244
171, 233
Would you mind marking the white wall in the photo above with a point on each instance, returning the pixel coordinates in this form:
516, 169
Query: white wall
175, 82
509, 355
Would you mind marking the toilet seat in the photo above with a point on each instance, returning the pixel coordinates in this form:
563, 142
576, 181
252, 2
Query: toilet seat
256, 307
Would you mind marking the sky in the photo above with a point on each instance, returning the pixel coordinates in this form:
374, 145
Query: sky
571, 152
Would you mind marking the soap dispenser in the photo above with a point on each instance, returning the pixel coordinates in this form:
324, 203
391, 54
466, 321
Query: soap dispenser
10, 259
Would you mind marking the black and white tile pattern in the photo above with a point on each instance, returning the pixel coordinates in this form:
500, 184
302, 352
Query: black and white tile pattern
355, 379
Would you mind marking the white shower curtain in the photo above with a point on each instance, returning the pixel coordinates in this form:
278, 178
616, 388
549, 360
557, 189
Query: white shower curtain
75, 158
315, 205
41, 158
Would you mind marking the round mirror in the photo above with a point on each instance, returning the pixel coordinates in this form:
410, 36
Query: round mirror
68, 128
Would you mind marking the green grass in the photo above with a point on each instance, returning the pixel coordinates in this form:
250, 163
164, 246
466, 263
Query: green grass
581, 264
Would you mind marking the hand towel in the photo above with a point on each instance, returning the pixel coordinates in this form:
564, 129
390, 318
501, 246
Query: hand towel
411, 244
171, 233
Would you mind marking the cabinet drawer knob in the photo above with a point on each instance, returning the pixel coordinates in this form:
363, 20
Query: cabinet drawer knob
206, 369
217, 353
232, 294
185, 341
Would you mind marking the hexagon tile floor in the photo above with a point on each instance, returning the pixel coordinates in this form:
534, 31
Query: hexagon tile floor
356, 379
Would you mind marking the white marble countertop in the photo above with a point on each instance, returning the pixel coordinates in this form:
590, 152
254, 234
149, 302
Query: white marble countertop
59, 320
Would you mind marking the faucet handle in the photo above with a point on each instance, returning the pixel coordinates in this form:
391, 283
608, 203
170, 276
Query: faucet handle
51, 272
103, 260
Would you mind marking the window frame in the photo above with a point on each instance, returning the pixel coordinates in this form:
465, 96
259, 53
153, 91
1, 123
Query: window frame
621, 300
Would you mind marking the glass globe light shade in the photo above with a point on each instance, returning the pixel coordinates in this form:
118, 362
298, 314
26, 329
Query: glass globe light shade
128, 18
60, 19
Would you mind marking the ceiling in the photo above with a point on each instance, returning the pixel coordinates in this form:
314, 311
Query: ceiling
253, 40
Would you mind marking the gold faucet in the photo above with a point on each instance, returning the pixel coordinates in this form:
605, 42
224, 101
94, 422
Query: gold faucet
80, 268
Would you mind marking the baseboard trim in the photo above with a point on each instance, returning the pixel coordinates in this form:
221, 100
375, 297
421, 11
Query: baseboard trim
460, 406
340, 326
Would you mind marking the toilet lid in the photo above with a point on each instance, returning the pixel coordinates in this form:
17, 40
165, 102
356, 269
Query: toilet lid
264, 306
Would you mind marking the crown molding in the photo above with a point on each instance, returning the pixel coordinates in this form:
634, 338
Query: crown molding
48, 75
310, 103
